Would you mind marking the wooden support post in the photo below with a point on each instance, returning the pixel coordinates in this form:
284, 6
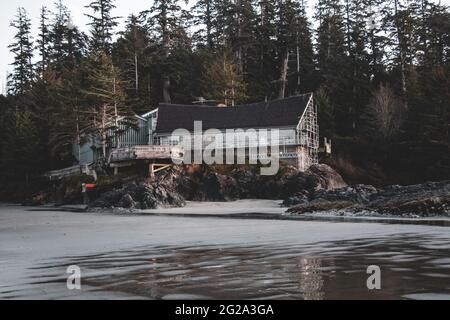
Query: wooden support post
151, 171
156, 167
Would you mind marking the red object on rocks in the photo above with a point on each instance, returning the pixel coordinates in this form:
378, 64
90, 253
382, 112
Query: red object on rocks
90, 186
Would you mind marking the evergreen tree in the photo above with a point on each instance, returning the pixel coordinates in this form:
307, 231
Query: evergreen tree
295, 48
357, 36
376, 39
106, 101
43, 42
67, 43
261, 71
44, 102
225, 83
332, 61
21, 79
165, 20
102, 25
403, 38
243, 32
205, 18
25, 152
70, 116
225, 23
131, 52
131, 47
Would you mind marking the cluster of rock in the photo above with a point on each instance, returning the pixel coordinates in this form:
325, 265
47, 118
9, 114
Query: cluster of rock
427, 199
203, 183
143, 195
319, 189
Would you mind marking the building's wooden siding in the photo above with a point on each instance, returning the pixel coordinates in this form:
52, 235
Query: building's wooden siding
90, 151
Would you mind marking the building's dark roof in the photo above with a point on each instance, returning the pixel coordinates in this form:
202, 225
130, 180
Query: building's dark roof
276, 113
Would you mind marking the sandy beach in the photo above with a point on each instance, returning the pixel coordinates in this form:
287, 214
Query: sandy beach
165, 257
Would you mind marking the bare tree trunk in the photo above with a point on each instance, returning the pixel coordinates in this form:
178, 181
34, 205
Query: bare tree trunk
166, 44
400, 47
78, 135
239, 35
166, 86
283, 75
104, 131
298, 66
116, 117
136, 72
232, 94
329, 40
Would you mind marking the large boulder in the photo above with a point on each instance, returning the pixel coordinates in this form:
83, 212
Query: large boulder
325, 177
301, 186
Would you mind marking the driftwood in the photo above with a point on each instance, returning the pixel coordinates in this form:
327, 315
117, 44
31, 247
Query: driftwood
63, 173
70, 172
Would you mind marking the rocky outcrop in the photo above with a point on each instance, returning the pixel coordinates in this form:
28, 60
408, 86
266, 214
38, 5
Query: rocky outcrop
163, 192
203, 183
300, 185
324, 177
432, 198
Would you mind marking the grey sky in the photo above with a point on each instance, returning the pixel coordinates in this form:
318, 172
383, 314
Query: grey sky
9, 7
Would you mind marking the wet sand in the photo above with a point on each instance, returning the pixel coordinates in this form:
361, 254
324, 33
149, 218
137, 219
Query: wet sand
167, 257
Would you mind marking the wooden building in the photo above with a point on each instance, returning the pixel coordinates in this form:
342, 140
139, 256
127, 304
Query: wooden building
294, 118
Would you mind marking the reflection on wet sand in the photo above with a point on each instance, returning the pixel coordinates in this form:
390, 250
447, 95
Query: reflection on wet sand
311, 278
413, 266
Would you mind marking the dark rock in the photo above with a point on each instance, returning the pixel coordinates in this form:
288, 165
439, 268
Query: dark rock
217, 187
431, 198
315, 178
360, 194
145, 195
246, 180
298, 198
126, 202
324, 177
320, 205
202, 183
423, 206
108, 199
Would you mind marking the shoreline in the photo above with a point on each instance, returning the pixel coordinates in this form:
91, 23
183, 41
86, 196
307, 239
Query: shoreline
251, 209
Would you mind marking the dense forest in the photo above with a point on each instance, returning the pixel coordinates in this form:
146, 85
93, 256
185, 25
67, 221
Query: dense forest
379, 70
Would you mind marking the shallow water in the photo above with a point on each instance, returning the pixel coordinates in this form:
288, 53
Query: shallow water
413, 266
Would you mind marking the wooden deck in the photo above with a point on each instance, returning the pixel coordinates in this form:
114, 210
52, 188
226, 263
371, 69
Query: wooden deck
158, 157
150, 152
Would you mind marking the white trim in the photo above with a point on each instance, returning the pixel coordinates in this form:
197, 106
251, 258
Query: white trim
304, 111
145, 115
